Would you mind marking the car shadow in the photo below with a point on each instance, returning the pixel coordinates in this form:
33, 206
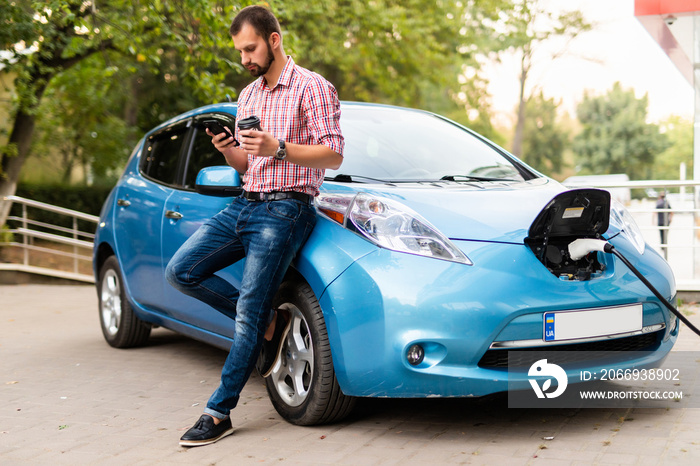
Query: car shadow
472, 412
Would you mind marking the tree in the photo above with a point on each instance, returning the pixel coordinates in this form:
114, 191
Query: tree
528, 26
392, 51
62, 33
667, 164
616, 137
544, 140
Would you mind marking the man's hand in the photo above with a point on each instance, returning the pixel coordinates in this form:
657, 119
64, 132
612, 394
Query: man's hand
259, 143
222, 141
264, 144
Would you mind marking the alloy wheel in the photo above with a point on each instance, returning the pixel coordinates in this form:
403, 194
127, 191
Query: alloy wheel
111, 303
293, 372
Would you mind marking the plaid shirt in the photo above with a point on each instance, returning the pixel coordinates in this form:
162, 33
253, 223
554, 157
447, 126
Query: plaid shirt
303, 108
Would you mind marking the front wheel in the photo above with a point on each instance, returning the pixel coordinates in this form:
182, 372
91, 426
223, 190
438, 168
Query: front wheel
302, 385
120, 326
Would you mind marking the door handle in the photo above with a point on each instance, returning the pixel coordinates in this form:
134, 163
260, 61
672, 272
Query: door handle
172, 214
123, 203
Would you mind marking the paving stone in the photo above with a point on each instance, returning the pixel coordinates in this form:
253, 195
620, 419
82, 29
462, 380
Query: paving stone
66, 397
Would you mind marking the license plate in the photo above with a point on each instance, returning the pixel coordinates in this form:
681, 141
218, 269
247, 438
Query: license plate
573, 325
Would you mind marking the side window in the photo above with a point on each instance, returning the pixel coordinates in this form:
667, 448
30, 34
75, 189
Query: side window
202, 155
162, 154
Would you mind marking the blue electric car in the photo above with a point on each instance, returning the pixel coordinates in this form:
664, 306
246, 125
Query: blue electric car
436, 253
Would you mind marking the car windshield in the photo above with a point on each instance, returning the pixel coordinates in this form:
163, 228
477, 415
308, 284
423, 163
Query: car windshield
390, 144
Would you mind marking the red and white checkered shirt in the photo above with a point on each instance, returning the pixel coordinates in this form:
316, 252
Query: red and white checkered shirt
303, 108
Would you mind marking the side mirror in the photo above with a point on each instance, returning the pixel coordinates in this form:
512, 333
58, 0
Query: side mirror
221, 181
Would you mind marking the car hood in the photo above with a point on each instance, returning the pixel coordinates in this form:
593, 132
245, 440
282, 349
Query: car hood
483, 211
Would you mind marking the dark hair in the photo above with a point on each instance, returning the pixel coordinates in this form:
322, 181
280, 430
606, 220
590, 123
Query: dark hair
262, 20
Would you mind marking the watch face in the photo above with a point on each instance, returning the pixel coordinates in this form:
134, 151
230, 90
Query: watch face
281, 151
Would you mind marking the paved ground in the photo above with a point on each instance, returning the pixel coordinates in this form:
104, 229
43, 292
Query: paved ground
68, 398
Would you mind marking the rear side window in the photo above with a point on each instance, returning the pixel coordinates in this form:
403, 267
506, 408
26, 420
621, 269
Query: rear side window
162, 154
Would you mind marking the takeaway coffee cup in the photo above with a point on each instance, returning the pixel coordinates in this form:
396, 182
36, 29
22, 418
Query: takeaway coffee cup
252, 122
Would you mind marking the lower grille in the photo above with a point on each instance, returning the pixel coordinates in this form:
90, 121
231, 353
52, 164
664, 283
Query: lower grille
589, 352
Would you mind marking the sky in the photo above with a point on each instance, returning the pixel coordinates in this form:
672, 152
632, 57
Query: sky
617, 49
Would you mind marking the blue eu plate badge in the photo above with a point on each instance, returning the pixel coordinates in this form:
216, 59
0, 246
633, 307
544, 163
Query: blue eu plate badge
549, 326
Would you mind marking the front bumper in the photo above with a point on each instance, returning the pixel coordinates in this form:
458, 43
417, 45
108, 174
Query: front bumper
387, 301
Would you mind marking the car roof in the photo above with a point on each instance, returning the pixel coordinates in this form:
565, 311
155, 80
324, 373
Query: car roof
231, 107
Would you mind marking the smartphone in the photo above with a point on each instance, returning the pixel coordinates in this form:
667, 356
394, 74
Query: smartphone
216, 127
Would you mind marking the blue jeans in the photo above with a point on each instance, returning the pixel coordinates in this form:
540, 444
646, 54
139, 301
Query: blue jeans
268, 234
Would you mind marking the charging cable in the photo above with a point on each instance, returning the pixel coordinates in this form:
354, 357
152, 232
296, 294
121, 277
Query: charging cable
582, 246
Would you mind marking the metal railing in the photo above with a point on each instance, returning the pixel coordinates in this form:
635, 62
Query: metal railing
69, 243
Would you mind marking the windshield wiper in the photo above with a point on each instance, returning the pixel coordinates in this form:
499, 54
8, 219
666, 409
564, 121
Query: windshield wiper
343, 178
472, 178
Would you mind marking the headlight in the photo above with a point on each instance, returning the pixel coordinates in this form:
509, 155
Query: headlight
391, 225
621, 219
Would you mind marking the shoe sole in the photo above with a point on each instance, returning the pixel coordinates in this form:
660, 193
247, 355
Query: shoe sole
279, 347
201, 443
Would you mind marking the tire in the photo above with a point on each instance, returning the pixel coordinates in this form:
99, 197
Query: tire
120, 326
302, 386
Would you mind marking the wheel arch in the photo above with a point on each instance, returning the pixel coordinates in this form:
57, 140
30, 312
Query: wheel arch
102, 252
327, 403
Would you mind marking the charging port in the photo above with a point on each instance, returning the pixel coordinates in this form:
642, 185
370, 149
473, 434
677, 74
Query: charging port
579, 213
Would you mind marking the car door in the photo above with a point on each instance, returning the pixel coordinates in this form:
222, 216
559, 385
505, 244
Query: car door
141, 196
185, 211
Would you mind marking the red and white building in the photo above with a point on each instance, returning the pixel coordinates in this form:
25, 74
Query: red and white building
675, 26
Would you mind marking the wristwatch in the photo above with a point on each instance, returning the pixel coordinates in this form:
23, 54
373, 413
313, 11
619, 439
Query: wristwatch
281, 151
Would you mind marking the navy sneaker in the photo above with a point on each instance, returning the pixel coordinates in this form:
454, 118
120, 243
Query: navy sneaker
205, 432
272, 349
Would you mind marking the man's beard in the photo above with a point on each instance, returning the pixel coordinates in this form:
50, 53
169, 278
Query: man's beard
261, 70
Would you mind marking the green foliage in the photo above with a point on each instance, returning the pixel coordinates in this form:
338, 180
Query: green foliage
5, 235
545, 140
79, 120
15, 21
94, 63
680, 136
387, 50
616, 137
186, 41
151, 96
63, 33
529, 23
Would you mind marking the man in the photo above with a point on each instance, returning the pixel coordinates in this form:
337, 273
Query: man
663, 220
283, 167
